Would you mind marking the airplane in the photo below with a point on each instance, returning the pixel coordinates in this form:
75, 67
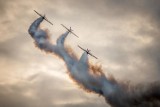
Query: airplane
88, 52
44, 17
70, 30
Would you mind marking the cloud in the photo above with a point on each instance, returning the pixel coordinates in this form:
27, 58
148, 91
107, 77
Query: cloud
43, 90
127, 34
3, 4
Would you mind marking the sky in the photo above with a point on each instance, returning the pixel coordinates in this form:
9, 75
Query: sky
123, 34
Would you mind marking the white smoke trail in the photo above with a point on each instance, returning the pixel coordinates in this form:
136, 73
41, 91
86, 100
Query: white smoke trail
78, 69
88, 76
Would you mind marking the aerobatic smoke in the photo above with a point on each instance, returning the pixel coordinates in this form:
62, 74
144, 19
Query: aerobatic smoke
91, 78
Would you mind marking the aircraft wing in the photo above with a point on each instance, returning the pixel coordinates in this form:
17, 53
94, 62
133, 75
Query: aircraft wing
38, 13
93, 55
48, 21
69, 30
44, 17
88, 53
81, 48
65, 27
74, 34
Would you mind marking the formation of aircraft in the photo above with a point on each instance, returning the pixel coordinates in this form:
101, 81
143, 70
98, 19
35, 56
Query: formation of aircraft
44, 17
70, 30
88, 52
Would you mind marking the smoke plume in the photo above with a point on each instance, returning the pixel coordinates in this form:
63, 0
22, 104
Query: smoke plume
91, 78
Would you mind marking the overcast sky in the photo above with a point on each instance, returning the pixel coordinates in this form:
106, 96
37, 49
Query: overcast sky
123, 34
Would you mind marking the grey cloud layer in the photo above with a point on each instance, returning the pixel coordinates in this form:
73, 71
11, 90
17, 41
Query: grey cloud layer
97, 13
37, 93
